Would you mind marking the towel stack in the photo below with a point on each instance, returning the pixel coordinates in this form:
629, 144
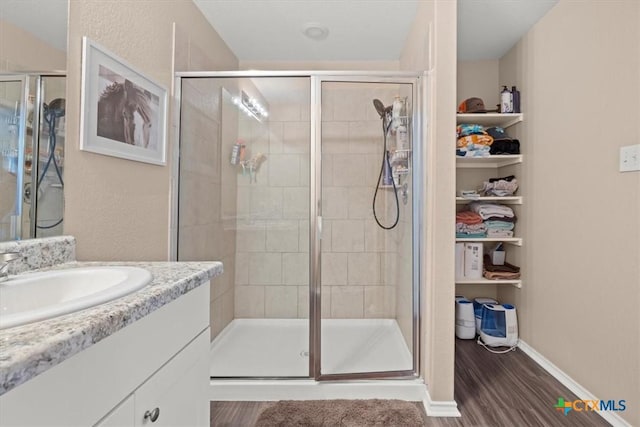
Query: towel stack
504, 272
499, 220
470, 225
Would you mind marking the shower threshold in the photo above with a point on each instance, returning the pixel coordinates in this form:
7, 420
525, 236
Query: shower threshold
257, 348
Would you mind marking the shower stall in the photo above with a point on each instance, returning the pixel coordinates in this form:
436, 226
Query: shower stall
309, 192
32, 110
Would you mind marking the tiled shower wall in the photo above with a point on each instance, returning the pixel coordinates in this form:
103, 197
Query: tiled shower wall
208, 193
359, 260
272, 270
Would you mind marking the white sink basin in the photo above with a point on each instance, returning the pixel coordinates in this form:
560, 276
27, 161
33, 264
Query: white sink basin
37, 296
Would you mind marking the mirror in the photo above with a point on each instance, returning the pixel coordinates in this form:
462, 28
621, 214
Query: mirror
33, 44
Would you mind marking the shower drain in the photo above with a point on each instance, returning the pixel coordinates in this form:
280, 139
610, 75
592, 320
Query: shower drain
304, 353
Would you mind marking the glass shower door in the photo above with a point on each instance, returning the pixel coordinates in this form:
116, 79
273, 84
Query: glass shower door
367, 311
12, 142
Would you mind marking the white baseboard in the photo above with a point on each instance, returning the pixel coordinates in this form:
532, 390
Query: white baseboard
440, 408
308, 389
582, 393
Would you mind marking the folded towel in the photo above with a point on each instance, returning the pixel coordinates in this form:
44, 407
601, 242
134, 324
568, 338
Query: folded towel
492, 232
468, 217
499, 225
486, 210
495, 272
501, 275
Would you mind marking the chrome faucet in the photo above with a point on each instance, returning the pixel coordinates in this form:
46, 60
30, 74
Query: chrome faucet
5, 259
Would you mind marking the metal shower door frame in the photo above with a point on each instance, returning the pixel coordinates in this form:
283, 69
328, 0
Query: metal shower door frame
418, 82
315, 312
22, 135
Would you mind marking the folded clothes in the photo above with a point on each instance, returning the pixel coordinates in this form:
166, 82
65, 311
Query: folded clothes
500, 275
499, 225
471, 235
460, 226
469, 194
506, 271
468, 217
463, 232
473, 151
469, 129
501, 187
505, 147
493, 232
486, 210
502, 218
473, 140
471, 230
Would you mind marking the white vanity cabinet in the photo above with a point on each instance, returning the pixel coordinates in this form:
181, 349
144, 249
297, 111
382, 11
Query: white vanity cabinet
158, 365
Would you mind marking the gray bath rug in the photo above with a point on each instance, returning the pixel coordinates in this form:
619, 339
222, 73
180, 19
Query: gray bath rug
347, 413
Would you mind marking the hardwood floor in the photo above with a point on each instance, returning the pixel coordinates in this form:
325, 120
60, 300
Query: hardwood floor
490, 389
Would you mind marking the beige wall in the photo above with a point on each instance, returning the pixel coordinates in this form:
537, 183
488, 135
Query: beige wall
479, 79
579, 74
431, 45
119, 209
29, 54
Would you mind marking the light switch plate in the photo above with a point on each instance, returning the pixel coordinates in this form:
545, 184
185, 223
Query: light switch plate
630, 158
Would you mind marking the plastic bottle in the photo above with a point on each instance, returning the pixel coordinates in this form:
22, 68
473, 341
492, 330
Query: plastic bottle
402, 138
397, 112
237, 152
506, 101
515, 94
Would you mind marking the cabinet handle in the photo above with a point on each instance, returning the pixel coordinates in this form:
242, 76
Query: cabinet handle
152, 415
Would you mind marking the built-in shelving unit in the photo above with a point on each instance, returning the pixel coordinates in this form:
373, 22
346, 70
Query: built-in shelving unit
517, 241
493, 162
490, 162
516, 283
507, 200
504, 120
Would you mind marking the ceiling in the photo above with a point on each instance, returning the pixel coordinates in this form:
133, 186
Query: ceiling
47, 20
362, 30
359, 30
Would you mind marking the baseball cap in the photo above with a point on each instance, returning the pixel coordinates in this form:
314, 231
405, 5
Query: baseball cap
498, 134
473, 105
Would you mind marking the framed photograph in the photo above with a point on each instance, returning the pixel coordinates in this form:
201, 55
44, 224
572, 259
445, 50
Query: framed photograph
123, 113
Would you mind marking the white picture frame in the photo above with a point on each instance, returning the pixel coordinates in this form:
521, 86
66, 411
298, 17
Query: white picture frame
122, 112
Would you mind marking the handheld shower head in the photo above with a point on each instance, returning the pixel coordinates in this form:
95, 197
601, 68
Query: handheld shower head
380, 108
55, 108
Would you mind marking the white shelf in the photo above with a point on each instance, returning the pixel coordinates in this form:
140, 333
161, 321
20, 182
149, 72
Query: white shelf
507, 200
493, 162
517, 283
517, 241
490, 119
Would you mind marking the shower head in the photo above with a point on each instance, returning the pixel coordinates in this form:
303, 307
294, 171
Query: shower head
380, 108
55, 108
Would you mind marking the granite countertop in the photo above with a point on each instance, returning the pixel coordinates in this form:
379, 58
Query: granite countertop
29, 350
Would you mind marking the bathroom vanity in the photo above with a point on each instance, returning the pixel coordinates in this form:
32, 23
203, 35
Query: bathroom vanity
139, 360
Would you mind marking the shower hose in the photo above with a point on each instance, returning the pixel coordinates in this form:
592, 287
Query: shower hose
50, 118
385, 159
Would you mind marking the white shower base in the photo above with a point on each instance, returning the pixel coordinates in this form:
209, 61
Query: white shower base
279, 348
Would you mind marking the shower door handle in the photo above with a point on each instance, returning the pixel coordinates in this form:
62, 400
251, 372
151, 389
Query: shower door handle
319, 220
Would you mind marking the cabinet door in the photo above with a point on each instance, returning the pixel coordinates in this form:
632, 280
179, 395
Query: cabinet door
177, 393
121, 415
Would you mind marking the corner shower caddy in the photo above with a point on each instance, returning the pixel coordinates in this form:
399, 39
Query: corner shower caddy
400, 159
